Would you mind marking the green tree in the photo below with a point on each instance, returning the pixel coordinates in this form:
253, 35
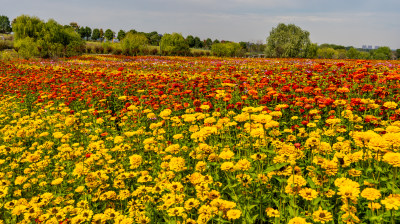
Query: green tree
226, 49
398, 53
134, 44
26, 26
109, 34
287, 41
353, 53
37, 38
101, 34
198, 43
174, 44
121, 34
26, 47
327, 53
74, 25
216, 41
154, 38
190, 40
95, 34
208, 43
5, 26
382, 53
311, 50
88, 32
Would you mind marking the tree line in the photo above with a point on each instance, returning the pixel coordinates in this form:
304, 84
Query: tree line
36, 38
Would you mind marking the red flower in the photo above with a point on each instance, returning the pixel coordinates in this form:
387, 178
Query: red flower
88, 155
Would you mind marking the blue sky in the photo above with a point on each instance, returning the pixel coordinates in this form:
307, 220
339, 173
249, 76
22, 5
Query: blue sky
349, 23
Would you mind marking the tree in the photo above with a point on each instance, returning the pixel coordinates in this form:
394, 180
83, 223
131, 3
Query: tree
398, 53
134, 43
74, 25
27, 26
352, 53
109, 34
96, 34
227, 49
36, 38
382, 53
101, 35
198, 43
208, 43
327, 53
174, 44
88, 32
311, 50
287, 41
5, 26
121, 34
190, 40
154, 38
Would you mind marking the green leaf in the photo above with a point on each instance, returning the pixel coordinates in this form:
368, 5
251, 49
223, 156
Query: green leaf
275, 167
311, 183
316, 201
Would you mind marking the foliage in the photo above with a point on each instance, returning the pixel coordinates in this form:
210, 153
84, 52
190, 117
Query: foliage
133, 44
85, 32
5, 26
96, 34
26, 47
382, 53
109, 34
121, 35
190, 41
287, 41
226, 49
327, 53
48, 39
174, 44
352, 53
26, 26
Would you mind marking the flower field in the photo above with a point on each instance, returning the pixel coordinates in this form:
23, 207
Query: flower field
115, 139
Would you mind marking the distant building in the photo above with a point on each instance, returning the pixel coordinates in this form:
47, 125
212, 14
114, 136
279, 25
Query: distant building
376, 47
370, 47
364, 46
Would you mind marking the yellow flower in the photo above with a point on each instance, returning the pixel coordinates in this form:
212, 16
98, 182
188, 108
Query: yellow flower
393, 158
233, 214
243, 164
371, 194
80, 189
178, 136
228, 166
57, 181
390, 105
322, 216
391, 202
227, 154
191, 203
177, 211
177, 164
308, 193
135, 161
272, 212
298, 220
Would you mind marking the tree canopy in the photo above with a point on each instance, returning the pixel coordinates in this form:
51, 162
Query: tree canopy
287, 41
174, 44
45, 39
109, 34
226, 49
133, 44
5, 26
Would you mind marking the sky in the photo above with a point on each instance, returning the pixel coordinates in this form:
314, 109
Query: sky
344, 22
